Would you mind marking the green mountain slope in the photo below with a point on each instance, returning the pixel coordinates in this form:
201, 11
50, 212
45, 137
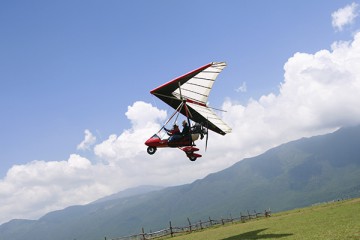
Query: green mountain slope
334, 220
293, 175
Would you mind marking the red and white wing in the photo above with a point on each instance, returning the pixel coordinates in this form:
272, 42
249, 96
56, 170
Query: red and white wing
194, 88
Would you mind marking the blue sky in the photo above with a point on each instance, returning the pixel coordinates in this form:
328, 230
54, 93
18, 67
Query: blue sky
71, 66
67, 66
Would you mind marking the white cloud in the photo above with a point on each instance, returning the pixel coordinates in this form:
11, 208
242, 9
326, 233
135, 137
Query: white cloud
344, 16
88, 141
35, 188
145, 122
319, 93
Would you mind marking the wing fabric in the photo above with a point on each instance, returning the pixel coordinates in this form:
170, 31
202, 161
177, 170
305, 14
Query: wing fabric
209, 118
198, 87
194, 88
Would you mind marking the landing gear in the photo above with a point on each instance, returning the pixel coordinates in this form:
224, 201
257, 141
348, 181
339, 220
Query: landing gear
151, 150
190, 152
192, 158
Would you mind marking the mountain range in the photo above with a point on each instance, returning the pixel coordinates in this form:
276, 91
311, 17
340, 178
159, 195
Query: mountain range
296, 174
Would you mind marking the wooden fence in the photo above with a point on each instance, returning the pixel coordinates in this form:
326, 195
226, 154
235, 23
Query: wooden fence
172, 230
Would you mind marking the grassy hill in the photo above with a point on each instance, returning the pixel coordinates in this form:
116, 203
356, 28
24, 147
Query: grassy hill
328, 221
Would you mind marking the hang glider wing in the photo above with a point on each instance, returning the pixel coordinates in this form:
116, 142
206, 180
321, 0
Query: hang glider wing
194, 88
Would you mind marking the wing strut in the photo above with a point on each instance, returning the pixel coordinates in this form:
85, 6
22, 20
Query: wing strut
176, 111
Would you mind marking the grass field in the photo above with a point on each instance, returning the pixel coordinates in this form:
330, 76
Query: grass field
336, 220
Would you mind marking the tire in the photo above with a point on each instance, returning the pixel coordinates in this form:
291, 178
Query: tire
192, 158
151, 150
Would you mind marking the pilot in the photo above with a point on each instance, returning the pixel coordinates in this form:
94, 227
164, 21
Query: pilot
186, 129
174, 131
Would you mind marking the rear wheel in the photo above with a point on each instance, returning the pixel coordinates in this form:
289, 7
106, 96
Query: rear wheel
192, 158
151, 150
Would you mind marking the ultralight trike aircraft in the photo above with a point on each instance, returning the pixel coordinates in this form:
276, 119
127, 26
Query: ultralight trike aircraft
188, 95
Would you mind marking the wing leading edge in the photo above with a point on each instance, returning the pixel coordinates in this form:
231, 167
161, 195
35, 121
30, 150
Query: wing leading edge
194, 88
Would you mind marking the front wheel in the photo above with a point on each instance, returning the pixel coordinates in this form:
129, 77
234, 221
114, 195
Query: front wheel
151, 150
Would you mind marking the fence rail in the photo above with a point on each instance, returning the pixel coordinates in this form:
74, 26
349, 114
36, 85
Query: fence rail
172, 230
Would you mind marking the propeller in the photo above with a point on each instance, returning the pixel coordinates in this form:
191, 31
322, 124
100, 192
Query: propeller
205, 131
207, 138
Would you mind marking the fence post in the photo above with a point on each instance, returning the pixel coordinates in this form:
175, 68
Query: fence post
189, 224
249, 216
267, 213
210, 221
171, 230
142, 234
